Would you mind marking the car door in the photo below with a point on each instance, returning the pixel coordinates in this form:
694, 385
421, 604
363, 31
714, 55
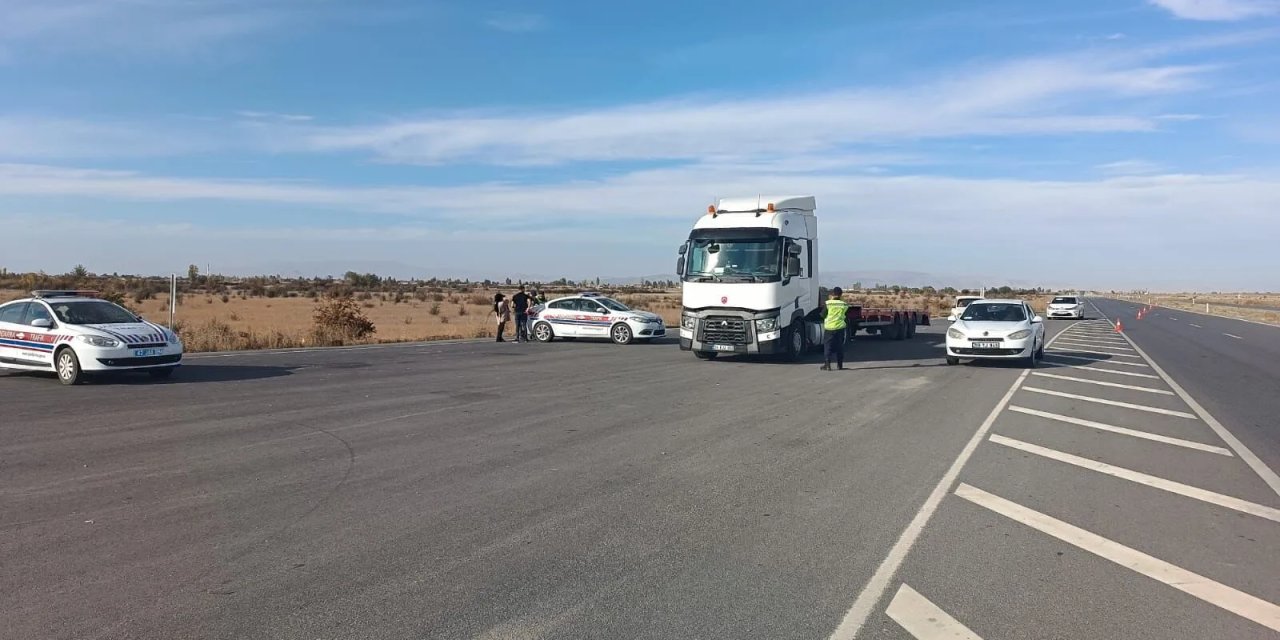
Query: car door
1037, 328
598, 320
46, 336
10, 328
561, 314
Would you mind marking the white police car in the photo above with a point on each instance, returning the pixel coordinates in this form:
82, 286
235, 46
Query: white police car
74, 333
591, 315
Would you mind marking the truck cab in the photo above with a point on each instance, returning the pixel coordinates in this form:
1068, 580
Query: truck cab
749, 274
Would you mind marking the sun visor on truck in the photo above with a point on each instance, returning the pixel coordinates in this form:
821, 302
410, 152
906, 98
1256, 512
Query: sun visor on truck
753, 233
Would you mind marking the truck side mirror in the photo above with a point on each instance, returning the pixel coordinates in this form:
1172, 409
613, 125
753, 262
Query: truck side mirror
680, 266
793, 266
794, 250
683, 248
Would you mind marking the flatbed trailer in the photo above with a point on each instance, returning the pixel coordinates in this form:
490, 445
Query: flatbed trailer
893, 324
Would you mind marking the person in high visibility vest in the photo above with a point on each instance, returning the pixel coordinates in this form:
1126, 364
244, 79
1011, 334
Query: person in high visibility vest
834, 326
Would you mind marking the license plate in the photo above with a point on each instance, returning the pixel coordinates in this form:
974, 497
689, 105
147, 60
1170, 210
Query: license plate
985, 345
146, 353
723, 347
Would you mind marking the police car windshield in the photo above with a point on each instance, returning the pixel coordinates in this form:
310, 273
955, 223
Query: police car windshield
92, 312
990, 312
612, 304
1063, 300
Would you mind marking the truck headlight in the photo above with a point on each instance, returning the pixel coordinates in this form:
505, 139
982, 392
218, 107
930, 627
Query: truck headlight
1018, 335
955, 333
688, 322
765, 325
99, 341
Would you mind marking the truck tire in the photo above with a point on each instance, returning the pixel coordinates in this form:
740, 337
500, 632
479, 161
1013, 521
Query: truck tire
911, 326
899, 328
797, 343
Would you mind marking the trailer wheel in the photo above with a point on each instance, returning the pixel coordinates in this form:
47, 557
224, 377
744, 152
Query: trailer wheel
899, 328
911, 327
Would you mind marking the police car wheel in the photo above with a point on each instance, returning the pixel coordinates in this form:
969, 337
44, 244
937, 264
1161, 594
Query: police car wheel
621, 334
542, 332
68, 366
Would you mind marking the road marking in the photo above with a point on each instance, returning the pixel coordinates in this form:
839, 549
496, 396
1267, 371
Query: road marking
1215, 593
1186, 490
1100, 383
878, 585
924, 619
1122, 430
1259, 467
1114, 403
1087, 359
1173, 318
1072, 343
1195, 325
1095, 338
1231, 336
1070, 349
1101, 370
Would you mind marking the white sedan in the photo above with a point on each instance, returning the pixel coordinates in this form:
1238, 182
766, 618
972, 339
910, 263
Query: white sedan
996, 329
591, 315
73, 333
1066, 307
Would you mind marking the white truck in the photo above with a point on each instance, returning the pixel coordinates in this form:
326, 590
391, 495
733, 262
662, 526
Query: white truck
750, 282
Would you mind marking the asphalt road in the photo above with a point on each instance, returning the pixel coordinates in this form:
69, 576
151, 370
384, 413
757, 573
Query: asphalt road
584, 490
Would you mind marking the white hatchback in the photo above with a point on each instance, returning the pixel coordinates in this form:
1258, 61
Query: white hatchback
996, 329
73, 333
591, 315
1066, 307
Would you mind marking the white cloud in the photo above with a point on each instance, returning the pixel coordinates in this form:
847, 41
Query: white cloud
1219, 10
1023, 97
40, 137
1129, 168
516, 22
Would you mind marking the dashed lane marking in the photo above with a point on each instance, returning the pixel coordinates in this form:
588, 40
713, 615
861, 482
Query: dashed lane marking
1113, 403
1077, 367
1100, 426
1101, 383
924, 619
1233, 336
1215, 593
1186, 490
1098, 360
1101, 353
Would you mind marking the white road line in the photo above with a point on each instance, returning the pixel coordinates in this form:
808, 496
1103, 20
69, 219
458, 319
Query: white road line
878, 585
924, 620
1099, 360
1215, 593
1231, 336
1100, 383
879, 582
1235, 504
1195, 325
1070, 349
1173, 318
1101, 370
1072, 343
1109, 338
1259, 467
1122, 430
1114, 403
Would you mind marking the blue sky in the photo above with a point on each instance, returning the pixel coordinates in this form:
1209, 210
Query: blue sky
1116, 143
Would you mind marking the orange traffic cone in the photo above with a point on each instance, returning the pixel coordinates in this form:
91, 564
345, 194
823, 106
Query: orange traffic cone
1119, 326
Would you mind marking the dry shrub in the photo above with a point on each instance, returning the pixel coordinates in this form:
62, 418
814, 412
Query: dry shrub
339, 321
216, 335
435, 309
479, 299
462, 310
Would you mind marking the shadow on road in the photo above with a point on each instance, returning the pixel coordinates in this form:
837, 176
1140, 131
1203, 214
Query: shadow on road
197, 374
926, 345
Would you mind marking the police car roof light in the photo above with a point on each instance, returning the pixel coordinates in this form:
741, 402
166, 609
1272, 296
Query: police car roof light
63, 293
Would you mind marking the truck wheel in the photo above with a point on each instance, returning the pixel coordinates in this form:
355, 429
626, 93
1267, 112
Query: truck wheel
899, 329
542, 332
68, 367
911, 327
621, 333
705, 355
796, 342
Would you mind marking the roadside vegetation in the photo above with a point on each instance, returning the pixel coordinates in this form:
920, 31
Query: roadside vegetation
219, 313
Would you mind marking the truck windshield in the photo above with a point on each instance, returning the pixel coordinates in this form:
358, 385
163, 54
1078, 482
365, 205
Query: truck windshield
736, 260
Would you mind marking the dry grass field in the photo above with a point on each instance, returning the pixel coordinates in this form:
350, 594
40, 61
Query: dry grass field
1258, 307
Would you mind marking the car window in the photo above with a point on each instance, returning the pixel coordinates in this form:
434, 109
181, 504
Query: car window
589, 306
92, 312
1063, 300
995, 312
564, 305
37, 311
13, 312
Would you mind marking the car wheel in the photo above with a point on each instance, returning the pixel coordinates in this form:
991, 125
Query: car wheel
952, 361
621, 333
705, 355
68, 367
542, 332
163, 373
1030, 360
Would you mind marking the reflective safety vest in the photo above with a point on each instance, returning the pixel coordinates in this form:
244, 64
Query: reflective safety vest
835, 320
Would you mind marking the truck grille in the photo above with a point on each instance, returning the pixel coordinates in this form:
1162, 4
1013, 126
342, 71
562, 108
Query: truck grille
724, 330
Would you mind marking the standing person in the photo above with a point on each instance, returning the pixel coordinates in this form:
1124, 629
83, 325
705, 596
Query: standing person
521, 303
501, 311
834, 326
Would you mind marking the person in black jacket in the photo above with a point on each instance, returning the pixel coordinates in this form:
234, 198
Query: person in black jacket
521, 303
